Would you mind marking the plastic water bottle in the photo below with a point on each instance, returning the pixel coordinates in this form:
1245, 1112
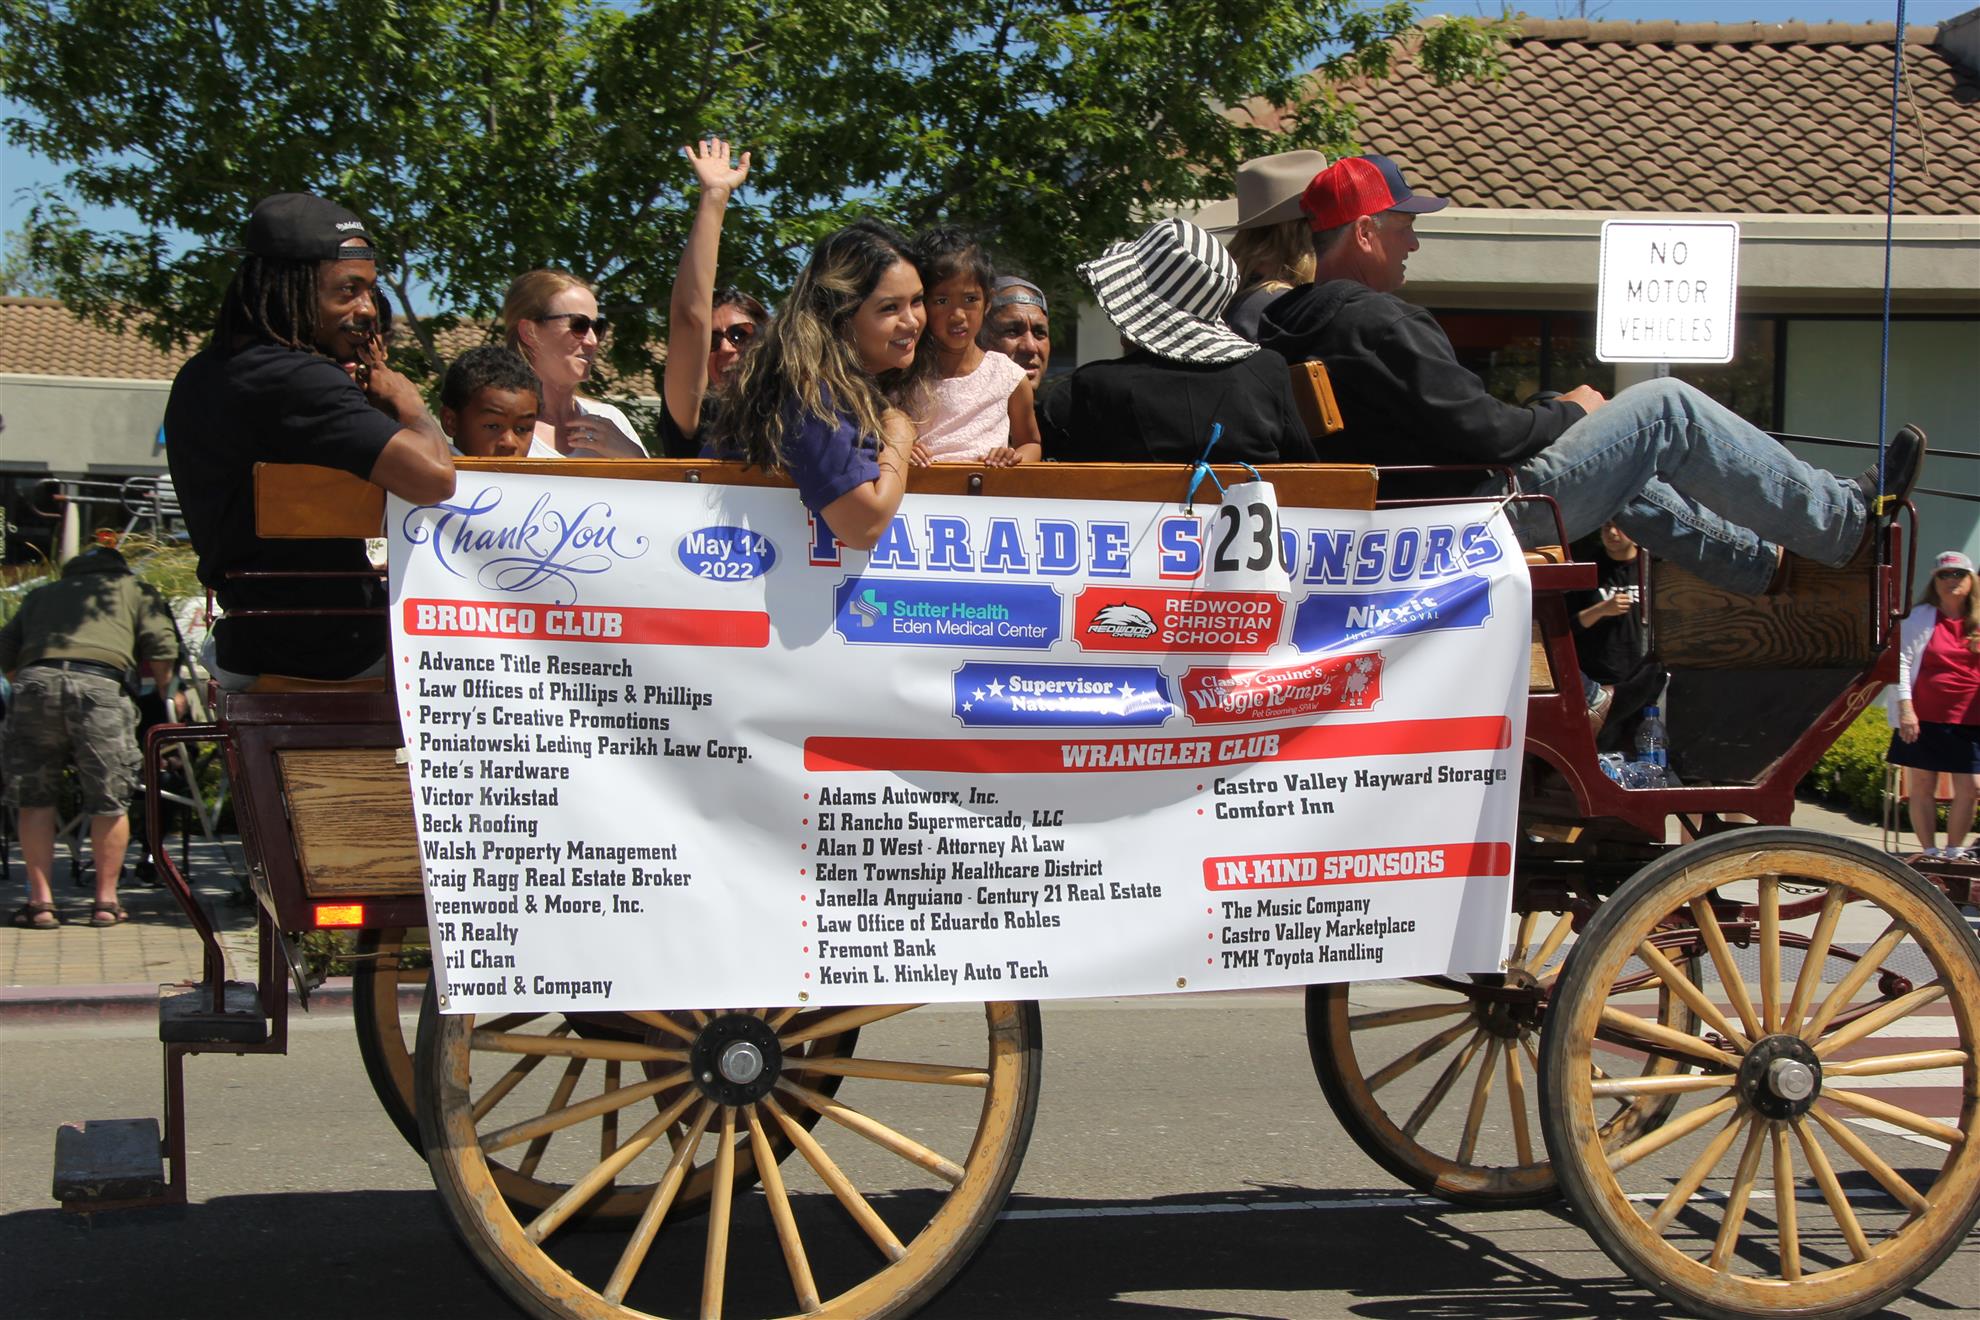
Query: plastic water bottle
1642, 774
1651, 742
1612, 765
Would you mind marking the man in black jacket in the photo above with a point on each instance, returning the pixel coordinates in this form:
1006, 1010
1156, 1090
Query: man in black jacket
1688, 479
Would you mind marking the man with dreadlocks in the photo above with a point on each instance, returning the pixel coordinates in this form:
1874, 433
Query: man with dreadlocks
295, 373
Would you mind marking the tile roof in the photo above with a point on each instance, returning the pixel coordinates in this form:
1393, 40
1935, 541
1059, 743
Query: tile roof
1774, 118
42, 337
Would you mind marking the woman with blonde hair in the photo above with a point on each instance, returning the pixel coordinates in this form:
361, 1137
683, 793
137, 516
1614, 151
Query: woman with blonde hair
1270, 238
1935, 703
832, 390
552, 319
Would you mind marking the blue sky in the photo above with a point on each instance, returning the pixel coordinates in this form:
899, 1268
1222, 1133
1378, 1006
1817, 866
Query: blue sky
21, 170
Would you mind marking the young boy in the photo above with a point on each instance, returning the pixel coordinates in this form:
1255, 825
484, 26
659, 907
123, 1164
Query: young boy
488, 404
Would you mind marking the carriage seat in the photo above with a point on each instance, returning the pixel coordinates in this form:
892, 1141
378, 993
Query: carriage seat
1313, 395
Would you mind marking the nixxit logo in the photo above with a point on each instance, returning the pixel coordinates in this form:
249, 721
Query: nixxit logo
909, 612
1328, 620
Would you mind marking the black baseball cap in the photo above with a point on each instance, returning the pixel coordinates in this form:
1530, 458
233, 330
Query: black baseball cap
303, 227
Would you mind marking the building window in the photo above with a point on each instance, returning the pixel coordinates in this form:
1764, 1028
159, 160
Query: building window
1518, 354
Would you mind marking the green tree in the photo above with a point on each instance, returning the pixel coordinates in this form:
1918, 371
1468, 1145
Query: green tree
22, 273
484, 137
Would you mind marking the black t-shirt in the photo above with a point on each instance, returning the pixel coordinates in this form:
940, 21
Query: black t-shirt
1610, 649
266, 404
1144, 409
674, 443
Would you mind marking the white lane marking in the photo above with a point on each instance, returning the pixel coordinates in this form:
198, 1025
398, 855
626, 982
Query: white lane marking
1892, 1129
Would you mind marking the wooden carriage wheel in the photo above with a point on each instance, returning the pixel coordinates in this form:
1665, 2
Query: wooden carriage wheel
1786, 1183
1471, 1137
376, 980
880, 1207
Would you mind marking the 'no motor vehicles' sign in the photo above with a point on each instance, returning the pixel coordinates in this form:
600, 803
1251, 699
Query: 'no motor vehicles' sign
1668, 291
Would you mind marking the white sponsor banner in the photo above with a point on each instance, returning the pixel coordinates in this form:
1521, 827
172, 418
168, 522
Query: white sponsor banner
1668, 291
673, 747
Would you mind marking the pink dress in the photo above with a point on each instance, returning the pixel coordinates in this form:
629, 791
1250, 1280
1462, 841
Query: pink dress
972, 414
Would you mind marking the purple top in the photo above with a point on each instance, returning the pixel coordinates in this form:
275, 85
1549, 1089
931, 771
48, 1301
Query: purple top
826, 460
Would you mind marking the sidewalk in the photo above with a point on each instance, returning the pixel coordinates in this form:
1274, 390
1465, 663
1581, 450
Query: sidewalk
82, 970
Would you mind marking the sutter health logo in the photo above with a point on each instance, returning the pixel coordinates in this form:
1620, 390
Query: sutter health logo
897, 612
1328, 620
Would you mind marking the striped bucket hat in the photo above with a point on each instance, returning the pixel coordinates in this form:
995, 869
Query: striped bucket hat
1166, 292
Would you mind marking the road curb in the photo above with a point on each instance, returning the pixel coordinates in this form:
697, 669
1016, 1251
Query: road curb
106, 1003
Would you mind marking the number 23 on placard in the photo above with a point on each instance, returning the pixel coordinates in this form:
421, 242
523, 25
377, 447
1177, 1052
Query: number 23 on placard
1263, 542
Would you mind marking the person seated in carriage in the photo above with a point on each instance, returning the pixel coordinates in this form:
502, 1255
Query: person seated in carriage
1686, 478
295, 373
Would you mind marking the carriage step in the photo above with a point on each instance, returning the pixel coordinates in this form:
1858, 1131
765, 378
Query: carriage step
186, 1016
109, 1163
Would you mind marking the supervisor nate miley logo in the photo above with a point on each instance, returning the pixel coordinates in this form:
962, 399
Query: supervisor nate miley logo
909, 612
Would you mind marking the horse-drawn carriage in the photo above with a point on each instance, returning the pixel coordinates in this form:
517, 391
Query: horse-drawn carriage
1693, 1041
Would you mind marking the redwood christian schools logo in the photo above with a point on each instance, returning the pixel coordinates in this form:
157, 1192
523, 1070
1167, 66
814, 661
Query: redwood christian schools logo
1122, 621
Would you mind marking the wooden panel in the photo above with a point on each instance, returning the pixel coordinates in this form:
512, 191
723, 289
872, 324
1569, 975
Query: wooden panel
1313, 395
1729, 727
1539, 674
294, 500
351, 813
1822, 620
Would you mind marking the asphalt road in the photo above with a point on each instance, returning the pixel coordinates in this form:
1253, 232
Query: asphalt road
1184, 1164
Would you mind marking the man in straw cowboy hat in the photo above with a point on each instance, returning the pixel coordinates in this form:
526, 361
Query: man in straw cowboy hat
1184, 371
1687, 479
1269, 239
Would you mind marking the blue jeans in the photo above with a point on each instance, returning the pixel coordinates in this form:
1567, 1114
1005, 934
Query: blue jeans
1692, 482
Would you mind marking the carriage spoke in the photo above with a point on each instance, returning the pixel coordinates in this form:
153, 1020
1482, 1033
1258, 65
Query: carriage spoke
1707, 923
580, 1047
608, 1125
1416, 1054
663, 1022
1736, 1198
782, 1017
875, 1131
1877, 1020
715, 1265
510, 1021
891, 1070
657, 1205
795, 1260
558, 1100
1442, 1086
1784, 1206
1770, 952
1846, 989
1481, 1092
1883, 1065
1694, 998
1812, 959
1675, 1130
1859, 1150
1890, 1113
1666, 1084
509, 1080
1832, 1192
1399, 1017
833, 1024
1694, 1177
1656, 1038
833, 1177
588, 1186
1516, 1100
552, 1120
1524, 940
1556, 937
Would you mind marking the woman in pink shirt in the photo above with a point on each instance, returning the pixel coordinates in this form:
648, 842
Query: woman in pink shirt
1935, 704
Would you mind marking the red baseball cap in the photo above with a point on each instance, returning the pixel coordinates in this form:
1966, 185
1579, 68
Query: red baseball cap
1361, 185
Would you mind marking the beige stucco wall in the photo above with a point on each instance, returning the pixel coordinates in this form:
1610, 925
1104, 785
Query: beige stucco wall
73, 423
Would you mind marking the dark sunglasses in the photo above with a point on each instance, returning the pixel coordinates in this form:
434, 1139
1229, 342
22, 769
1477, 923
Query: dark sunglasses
1950, 573
738, 334
581, 324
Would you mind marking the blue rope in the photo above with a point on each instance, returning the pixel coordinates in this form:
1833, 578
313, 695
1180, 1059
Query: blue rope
1202, 468
1890, 222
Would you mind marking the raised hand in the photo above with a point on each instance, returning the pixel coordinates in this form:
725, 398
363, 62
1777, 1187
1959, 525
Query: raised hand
712, 166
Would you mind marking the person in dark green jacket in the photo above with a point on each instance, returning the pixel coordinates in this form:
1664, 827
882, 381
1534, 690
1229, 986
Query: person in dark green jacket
68, 650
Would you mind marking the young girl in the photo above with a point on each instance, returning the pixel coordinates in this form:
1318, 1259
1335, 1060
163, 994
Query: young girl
829, 392
982, 410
